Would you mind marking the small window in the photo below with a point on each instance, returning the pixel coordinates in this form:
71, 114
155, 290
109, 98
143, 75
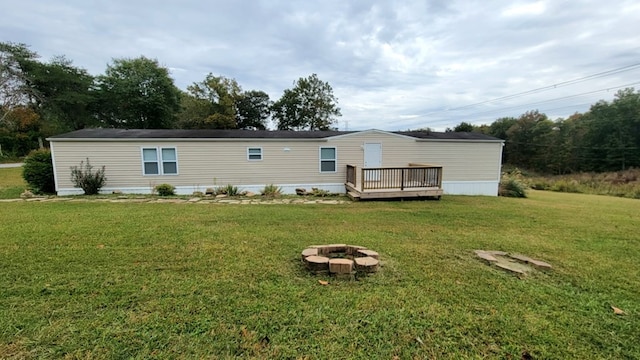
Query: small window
159, 161
169, 161
150, 160
328, 159
254, 154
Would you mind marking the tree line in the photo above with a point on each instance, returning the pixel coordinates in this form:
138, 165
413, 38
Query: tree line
40, 99
605, 138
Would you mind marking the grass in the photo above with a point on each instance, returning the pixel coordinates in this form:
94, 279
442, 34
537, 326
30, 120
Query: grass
11, 183
118, 280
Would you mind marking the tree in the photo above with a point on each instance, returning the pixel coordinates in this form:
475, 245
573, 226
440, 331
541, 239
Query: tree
65, 95
137, 93
15, 90
525, 137
613, 135
253, 110
463, 127
210, 104
310, 105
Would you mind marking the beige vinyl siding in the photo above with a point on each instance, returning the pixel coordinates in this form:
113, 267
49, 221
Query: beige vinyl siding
464, 161
200, 163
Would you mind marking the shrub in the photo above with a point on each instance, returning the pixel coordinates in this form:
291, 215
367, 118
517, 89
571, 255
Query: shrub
512, 188
271, 190
228, 190
38, 172
165, 189
85, 178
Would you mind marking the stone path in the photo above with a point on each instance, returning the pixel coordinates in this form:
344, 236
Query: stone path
193, 200
13, 165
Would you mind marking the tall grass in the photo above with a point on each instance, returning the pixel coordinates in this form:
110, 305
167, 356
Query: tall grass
621, 183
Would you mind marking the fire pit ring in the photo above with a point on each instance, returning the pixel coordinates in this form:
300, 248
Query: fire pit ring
340, 259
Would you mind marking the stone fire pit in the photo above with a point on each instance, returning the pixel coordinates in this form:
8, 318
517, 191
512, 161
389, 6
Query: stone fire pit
340, 259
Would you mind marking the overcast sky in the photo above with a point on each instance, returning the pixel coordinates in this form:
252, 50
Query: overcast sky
394, 65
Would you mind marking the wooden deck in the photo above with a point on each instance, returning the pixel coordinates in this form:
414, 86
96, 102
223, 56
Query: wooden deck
413, 181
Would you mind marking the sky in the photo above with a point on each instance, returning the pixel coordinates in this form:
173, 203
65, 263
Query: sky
393, 65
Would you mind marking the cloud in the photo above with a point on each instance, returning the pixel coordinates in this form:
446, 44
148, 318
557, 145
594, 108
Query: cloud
392, 65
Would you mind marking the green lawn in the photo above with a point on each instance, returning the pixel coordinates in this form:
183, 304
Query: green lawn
11, 183
118, 280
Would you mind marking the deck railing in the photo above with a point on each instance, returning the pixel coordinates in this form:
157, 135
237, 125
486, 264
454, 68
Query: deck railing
351, 175
411, 177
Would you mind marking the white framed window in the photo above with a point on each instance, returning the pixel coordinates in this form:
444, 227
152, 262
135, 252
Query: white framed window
328, 159
254, 153
159, 161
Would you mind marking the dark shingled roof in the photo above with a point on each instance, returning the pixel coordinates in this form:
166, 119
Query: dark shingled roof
248, 134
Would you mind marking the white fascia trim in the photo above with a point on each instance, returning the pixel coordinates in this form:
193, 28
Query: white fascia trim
158, 140
53, 162
461, 140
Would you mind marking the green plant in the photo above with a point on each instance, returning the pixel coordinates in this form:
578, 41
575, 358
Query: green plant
271, 190
512, 188
228, 190
320, 192
85, 178
165, 189
37, 171
570, 186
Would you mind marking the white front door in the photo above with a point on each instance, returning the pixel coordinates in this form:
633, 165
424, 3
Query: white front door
372, 159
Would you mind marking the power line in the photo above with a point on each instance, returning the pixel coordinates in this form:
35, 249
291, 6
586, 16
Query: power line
544, 88
501, 110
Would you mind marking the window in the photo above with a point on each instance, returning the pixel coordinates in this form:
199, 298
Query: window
159, 161
254, 154
328, 159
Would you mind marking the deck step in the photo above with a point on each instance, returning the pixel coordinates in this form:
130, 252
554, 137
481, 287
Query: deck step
353, 195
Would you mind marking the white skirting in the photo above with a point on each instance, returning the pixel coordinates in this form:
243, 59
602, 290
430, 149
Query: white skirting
289, 189
488, 188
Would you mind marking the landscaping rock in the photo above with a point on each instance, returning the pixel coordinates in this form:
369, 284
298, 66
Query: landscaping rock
353, 249
540, 264
309, 252
366, 264
340, 266
317, 264
26, 194
513, 267
301, 191
365, 253
485, 255
250, 194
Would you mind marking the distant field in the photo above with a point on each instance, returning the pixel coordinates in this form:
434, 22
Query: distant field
118, 280
11, 183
